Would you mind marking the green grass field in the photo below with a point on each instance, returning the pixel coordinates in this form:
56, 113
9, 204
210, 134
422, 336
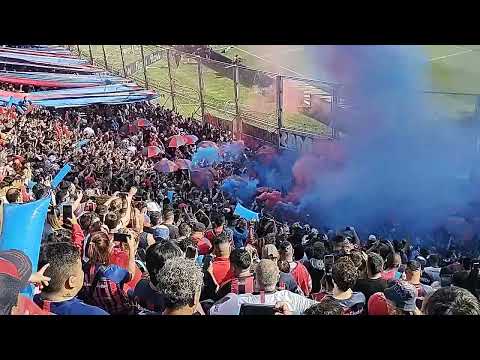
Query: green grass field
451, 68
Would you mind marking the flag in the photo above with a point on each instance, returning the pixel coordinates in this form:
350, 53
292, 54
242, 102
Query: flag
245, 213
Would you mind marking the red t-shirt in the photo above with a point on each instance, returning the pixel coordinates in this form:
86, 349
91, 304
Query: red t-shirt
302, 277
389, 275
221, 269
120, 258
28, 307
203, 244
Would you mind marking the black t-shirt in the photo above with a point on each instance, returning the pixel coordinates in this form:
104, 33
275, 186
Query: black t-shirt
370, 286
173, 231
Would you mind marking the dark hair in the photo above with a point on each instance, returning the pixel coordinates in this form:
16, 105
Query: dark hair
241, 258
413, 265
283, 266
221, 238
298, 252
185, 243
218, 219
99, 248
62, 257
61, 196
344, 274
112, 220
184, 229
467, 263
374, 263
357, 259
433, 260
155, 218
391, 259
328, 306
452, 300
156, 256
13, 195
60, 235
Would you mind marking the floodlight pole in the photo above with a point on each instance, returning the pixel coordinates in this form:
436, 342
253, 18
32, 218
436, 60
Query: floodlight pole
78, 49
172, 92
279, 105
144, 67
200, 87
236, 91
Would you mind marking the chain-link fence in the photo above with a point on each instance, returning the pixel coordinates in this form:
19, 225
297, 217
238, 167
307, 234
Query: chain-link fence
200, 87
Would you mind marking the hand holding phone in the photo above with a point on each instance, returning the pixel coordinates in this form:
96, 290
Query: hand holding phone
67, 211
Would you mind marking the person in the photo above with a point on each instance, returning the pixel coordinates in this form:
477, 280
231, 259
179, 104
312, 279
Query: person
180, 282
159, 231
104, 282
286, 280
315, 265
218, 222
451, 300
344, 277
242, 281
16, 275
146, 293
203, 244
297, 269
413, 273
266, 279
327, 307
240, 234
169, 223
221, 268
66, 280
374, 281
394, 260
433, 270
401, 298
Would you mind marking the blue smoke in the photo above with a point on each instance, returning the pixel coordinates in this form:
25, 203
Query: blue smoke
205, 156
402, 163
240, 188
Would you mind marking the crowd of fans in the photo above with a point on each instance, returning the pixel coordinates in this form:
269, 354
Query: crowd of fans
132, 248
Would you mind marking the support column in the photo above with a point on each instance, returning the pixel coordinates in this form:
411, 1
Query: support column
105, 57
200, 87
144, 67
123, 62
90, 52
279, 105
172, 91
237, 126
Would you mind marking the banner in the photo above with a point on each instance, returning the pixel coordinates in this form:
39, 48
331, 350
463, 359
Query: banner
59, 177
245, 213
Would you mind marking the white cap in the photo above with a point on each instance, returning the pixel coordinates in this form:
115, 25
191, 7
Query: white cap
153, 206
372, 237
228, 305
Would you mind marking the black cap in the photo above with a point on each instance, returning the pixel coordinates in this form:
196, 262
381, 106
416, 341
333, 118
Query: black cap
198, 226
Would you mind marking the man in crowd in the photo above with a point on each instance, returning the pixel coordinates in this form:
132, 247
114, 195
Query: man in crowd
66, 281
221, 268
242, 281
169, 223
180, 282
451, 300
374, 281
413, 273
286, 280
267, 275
297, 269
160, 231
203, 244
218, 223
344, 276
146, 293
433, 270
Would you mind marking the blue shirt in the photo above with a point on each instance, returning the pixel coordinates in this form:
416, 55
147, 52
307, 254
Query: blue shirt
73, 306
148, 297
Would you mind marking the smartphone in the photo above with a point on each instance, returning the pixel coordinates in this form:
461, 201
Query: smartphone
67, 212
191, 252
121, 237
257, 309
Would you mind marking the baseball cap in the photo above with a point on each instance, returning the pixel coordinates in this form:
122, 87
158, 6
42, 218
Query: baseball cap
228, 305
377, 304
269, 250
16, 264
402, 294
372, 238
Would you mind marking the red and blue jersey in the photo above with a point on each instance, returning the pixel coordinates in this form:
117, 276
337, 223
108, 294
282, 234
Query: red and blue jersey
73, 306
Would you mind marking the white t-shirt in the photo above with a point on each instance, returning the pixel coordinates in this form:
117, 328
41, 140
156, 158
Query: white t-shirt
296, 303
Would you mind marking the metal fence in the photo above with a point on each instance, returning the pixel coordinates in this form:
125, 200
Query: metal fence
286, 111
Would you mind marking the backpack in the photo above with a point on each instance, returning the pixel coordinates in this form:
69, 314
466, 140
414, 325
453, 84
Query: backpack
105, 293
